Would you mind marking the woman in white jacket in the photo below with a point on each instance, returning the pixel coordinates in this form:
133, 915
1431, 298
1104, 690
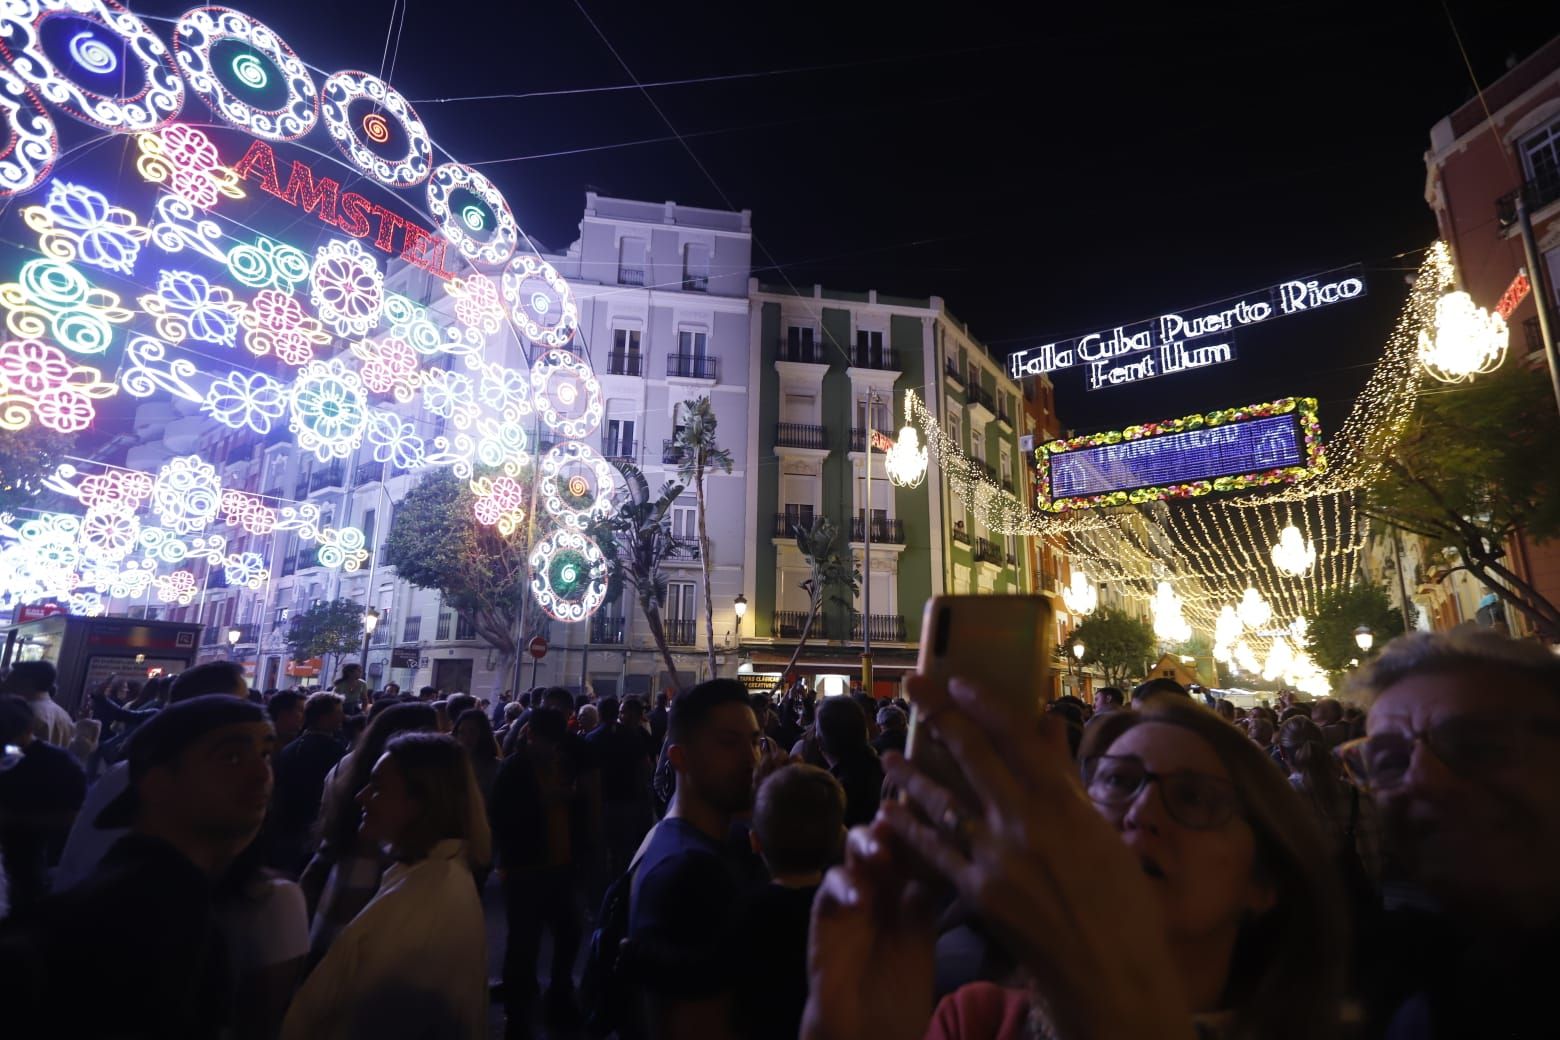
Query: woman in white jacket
414, 961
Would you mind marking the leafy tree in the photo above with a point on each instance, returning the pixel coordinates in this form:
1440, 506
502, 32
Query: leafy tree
27, 456
830, 575
332, 627
1471, 471
1339, 612
435, 542
698, 454
636, 539
1118, 643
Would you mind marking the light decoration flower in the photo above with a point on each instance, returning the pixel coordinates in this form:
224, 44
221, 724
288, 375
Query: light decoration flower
30, 145
499, 502
1292, 554
187, 494
176, 587
39, 383
268, 264
472, 214
451, 395
503, 389
342, 548
477, 305
906, 460
1468, 340
241, 509
116, 487
346, 287
74, 80
276, 324
389, 367
329, 409
1078, 596
395, 440
187, 306
131, 579
146, 369
77, 223
566, 394
577, 484
53, 300
158, 544
568, 575
1254, 611
540, 301
84, 604
1169, 623
184, 159
502, 445
246, 569
411, 322
242, 400
109, 532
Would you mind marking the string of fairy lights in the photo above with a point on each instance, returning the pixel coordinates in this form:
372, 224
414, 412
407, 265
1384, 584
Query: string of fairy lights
1248, 568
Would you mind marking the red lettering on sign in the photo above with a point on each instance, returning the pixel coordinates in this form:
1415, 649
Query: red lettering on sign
1515, 293
318, 197
354, 215
261, 157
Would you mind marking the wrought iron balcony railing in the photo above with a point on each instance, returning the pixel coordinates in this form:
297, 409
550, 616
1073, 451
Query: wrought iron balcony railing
625, 364
631, 276
1539, 192
690, 366
680, 631
803, 352
801, 435
887, 628
886, 532
605, 629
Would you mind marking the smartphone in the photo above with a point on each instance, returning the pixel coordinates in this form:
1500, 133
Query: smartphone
1002, 644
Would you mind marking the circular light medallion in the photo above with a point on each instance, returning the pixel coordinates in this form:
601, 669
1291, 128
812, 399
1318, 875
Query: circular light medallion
540, 301
246, 74
568, 575
566, 394
93, 59
30, 145
377, 129
576, 484
473, 214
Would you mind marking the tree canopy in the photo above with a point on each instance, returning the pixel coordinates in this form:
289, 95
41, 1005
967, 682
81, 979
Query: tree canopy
1120, 645
332, 627
1474, 468
27, 456
1339, 612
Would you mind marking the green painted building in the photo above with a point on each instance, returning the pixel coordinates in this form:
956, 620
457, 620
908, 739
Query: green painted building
826, 367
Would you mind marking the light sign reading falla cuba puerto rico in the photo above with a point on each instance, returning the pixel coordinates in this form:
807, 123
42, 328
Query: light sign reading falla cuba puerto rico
1163, 346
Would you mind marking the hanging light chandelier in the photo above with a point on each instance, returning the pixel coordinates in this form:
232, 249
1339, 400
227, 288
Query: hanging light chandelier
1254, 611
1468, 340
1169, 623
1279, 659
1292, 554
906, 460
1079, 597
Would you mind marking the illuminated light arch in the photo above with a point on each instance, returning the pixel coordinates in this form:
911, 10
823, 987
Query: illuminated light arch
83, 89
184, 159
263, 57
268, 264
31, 144
242, 400
540, 301
240, 509
187, 494
499, 502
187, 306
329, 407
176, 587
275, 323
109, 532
346, 287
466, 204
477, 305
389, 366
247, 569
77, 223
39, 383
341, 90
573, 407
568, 575
577, 484
149, 369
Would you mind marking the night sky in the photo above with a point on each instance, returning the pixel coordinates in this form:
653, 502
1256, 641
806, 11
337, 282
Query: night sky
1045, 176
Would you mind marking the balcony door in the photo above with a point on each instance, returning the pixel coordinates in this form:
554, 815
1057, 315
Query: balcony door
620, 438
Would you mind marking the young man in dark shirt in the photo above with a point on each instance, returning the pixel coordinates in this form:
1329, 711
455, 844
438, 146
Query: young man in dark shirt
623, 750
799, 830
140, 934
301, 768
684, 908
41, 790
842, 737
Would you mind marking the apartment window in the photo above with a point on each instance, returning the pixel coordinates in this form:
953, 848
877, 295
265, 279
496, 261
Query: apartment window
797, 515
369, 517
620, 438
802, 346
464, 629
978, 444
954, 433
1541, 154
413, 629
631, 261
798, 408
974, 373
696, 267
869, 348
685, 524
625, 359
679, 600
1007, 464
692, 343
880, 419
446, 621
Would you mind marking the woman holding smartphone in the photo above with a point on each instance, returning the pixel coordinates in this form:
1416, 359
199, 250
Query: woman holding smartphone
1178, 889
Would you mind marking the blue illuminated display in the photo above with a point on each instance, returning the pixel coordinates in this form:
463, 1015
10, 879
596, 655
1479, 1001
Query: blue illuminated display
1178, 458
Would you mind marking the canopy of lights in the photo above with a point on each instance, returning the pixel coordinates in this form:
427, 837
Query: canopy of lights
202, 228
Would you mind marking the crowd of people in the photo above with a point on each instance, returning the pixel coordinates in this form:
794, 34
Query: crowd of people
194, 859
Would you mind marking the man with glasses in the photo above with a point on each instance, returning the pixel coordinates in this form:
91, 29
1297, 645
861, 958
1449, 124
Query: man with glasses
1462, 755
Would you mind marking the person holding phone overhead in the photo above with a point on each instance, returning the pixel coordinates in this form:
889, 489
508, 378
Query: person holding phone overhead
1124, 893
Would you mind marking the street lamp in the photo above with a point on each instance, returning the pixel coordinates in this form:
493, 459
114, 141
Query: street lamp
370, 622
1078, 651
739, 607
905, 462
1364, 638
233, 636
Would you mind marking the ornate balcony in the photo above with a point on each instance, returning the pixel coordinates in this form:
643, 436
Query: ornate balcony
631, 276
690, 366
801, 435
886, 628
625, 364
884, 532
802, 352
611, 630
680, 631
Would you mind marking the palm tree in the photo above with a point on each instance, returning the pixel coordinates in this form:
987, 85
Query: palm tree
698, 454
827, 570
636, 538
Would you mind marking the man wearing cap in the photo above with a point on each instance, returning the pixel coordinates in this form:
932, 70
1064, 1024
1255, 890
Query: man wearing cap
140, 932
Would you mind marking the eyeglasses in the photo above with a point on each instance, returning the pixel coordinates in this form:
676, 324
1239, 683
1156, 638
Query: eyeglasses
1469, 747
1196, 800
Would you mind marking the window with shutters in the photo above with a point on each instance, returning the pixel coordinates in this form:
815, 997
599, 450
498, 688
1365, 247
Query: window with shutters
464, 629
696, 267
413, 629
1541, 155
631, 261
625, 360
